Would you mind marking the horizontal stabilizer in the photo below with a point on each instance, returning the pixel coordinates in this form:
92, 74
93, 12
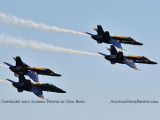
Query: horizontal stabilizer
10, 80
102, 54
88, 33
7, 64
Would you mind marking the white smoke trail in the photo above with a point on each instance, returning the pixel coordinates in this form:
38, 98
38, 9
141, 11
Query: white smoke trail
3, 65
15, 21
5, 81
10, 41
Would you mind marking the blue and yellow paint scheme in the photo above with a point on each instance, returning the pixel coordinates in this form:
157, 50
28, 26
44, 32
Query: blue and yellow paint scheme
37, 89
104, 37
118, 57
32, 72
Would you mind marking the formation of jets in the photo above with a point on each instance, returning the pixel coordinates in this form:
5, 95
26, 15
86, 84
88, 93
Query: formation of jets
118, 57
21, 69
32, 72
37, 89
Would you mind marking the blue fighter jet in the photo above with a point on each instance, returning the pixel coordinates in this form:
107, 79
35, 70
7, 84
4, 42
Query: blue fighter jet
32, 72
104, 37
37, 89
118, 57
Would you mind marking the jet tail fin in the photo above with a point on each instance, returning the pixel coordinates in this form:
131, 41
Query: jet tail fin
100, 30
22, 79
18, 61
22, 61
120, 56
113, 50
106, 35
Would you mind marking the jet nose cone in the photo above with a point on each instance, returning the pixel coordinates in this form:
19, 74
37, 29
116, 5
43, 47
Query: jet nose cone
155, 63
140, 43
61, 91
58, 75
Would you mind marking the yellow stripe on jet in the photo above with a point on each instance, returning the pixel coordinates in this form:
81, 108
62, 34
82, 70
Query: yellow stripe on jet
118, 36
133, 56
36, 68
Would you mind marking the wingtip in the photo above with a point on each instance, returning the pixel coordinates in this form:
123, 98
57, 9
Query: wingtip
43, 98
37, 82
122, 49
108, 48
136, 69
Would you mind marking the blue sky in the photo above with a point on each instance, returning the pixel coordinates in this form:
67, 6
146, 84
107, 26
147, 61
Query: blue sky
88, 78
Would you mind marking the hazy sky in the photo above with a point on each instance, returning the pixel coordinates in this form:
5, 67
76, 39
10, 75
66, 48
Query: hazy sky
88, 78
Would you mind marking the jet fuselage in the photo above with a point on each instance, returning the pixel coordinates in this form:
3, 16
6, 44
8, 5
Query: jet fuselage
121, 39
27, 86
136, 59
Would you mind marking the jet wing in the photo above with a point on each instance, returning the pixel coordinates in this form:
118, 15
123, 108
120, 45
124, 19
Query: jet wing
34, 76
116, 43
38, 92
130, 63
7, 64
